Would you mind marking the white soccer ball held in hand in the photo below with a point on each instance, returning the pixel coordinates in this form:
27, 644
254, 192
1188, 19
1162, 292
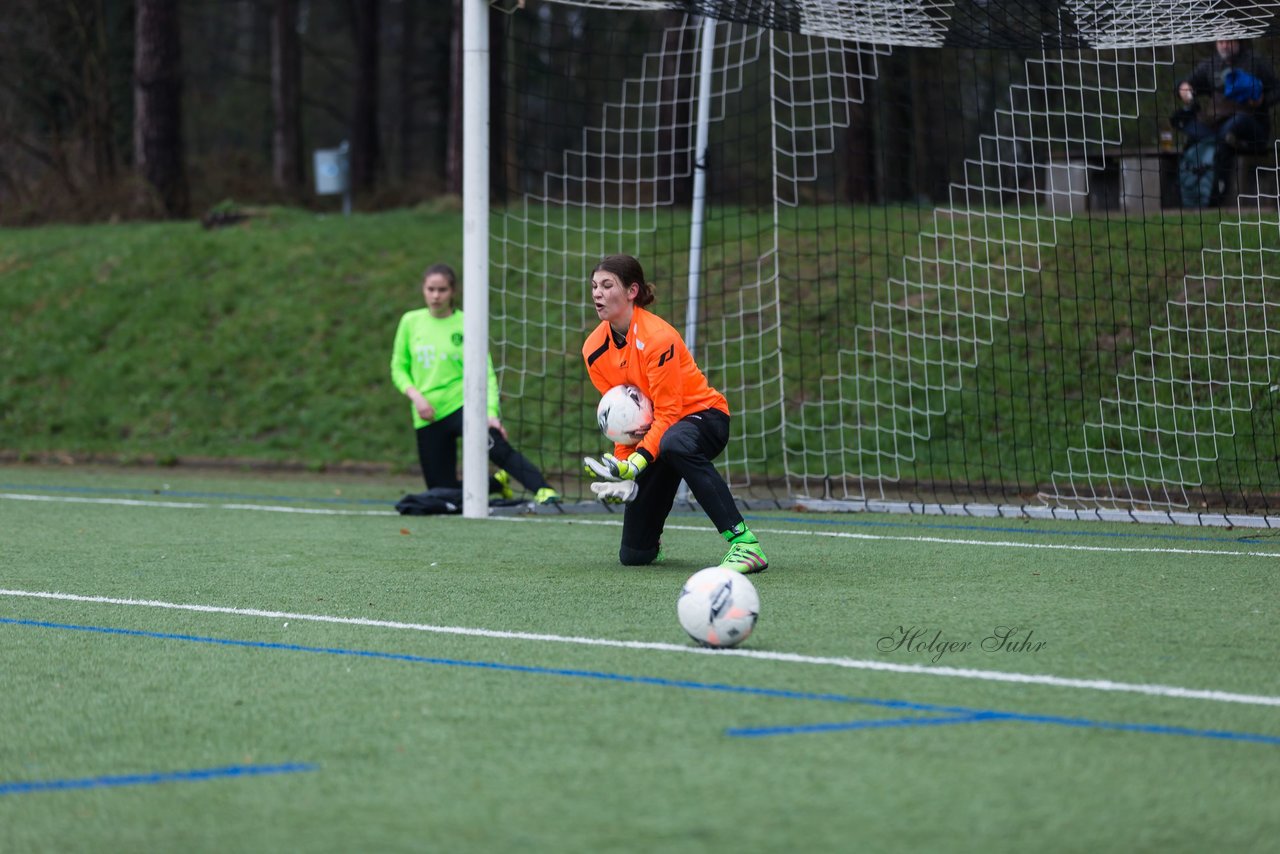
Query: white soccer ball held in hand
624, 414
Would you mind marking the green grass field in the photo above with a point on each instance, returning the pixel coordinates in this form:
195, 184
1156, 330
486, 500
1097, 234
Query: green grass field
202, 662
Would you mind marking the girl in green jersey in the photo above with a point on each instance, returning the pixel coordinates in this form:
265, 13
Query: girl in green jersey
426, 367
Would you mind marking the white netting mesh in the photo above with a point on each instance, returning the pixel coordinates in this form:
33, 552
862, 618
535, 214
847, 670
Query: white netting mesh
892, 369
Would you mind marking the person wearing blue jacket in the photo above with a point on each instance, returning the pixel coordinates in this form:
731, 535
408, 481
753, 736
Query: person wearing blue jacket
1239, 89
1226, 109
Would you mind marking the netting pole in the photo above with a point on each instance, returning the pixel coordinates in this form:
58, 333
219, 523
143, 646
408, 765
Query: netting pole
698, 215
475, 258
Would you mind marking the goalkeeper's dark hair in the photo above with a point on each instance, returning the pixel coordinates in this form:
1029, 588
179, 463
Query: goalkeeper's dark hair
629, 272
442, 270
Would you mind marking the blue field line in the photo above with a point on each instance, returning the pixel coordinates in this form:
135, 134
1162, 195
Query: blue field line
170, 493
952, 714
1016, 717
21, 787
797, 729
875, 523
493, 665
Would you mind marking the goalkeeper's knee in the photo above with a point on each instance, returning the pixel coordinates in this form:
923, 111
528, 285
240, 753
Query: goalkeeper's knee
629, 556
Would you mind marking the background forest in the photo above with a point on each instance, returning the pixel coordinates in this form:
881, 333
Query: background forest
126, 109
160, 108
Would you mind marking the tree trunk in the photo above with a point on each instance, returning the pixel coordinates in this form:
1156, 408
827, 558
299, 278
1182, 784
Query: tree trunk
431, 114
893, 129
678, 109
100, 107
497, 106
408, 55
923, 131
286, 88
366, 154
453, 153
157, 88
860, 185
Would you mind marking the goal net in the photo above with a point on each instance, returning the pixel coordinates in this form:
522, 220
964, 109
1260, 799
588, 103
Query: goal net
942, 259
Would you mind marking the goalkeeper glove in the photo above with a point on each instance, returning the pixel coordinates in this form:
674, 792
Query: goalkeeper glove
616, 492
610, 467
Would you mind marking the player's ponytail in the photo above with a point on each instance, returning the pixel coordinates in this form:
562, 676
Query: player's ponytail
629, 272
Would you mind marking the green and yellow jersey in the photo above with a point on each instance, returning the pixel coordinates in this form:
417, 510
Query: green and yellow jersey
427, 354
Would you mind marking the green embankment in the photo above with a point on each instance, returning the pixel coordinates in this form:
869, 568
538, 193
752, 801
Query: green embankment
268, 340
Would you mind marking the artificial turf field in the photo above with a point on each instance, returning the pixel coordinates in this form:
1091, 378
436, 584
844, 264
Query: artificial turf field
205, 662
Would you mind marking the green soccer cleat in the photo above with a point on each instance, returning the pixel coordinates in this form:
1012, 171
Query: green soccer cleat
745, 558
504, 484
547, 495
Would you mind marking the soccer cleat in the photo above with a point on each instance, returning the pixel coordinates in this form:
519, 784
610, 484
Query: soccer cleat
745, 558
504, 484
547, 495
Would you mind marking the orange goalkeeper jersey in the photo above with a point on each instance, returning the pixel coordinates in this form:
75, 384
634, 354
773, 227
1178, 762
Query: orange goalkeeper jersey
655, 360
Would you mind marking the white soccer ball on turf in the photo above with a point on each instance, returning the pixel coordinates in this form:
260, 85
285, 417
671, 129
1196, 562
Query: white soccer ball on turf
624, 414
718, 607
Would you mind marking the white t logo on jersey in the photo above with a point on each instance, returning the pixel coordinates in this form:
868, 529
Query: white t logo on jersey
425, 354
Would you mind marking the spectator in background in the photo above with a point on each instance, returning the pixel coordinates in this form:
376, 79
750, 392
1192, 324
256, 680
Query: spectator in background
1239, 91
426, 367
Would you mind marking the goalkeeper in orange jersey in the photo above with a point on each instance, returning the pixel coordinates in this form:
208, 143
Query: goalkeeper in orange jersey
690, 422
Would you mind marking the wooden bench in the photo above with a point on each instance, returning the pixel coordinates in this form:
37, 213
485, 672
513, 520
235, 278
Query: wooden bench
1137, 180
1148, 179
1131, 180
1074, 184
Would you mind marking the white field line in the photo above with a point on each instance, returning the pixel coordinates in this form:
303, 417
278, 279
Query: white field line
759, 655
552, 520
192, 505
943, 540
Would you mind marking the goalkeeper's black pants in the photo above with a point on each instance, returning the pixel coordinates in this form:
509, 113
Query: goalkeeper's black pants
685, 453
438, 456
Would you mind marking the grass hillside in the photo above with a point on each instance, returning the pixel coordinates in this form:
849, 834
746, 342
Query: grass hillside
268, 341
